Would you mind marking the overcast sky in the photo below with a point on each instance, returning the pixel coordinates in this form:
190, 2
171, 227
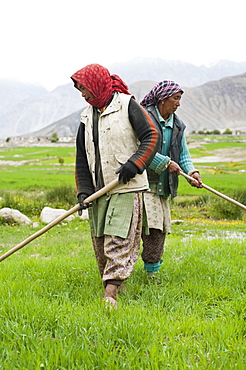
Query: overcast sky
46, 41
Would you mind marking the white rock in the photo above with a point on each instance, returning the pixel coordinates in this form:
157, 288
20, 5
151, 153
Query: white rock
15, 215
49, 214
35, 224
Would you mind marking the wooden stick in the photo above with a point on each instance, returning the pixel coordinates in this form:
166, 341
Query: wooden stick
216, 192
92, 197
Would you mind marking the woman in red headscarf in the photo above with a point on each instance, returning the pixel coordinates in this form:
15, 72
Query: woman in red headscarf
115, 136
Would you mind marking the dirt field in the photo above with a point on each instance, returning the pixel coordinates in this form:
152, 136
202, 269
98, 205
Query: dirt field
224, 155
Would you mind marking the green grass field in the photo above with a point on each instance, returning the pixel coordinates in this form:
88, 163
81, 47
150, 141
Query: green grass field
35, 177
191, 317
52, 316
43, 154
43, 170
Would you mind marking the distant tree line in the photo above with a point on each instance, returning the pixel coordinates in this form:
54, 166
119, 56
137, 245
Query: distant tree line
213, 132
54, 138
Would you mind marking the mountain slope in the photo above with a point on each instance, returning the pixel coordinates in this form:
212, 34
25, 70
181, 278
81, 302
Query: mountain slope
36, 113
67, 126
214, 105
25, 108
13, 92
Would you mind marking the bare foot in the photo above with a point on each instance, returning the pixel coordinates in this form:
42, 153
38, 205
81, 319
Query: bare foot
110, 296
110, 303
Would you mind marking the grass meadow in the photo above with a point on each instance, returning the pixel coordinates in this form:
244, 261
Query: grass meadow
193, 316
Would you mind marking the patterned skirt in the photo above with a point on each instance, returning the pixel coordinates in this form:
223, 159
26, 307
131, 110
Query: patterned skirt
116, 255
158, 212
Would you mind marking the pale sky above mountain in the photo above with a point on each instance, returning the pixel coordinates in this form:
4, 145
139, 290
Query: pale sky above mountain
46, 41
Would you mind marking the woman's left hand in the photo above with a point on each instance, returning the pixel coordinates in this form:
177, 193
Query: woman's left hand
198, 182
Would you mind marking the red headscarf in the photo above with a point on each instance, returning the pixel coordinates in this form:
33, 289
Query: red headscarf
100, 83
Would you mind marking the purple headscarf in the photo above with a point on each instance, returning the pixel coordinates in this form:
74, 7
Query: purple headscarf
162, 90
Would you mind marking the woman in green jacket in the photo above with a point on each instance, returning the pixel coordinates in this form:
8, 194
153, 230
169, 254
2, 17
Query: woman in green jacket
172, 157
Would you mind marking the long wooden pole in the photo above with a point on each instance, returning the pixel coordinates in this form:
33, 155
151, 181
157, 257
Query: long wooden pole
216, 192
92, 197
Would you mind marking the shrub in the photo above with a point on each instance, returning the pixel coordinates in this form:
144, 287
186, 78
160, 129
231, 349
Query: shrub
8, 221
62, 196
54, 138
25, 203
222, 209
32, 203
227, 132
61, 161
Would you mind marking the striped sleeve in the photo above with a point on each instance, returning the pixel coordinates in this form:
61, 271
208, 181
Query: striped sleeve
147, 135
185, 161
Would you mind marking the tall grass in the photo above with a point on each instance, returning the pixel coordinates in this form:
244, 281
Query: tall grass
209, 205
218, 208
62, 195
31, 203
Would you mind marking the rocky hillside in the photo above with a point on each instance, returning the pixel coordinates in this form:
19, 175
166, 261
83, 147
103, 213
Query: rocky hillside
214, 105
67, 126
36, 112
26, 109
12, 92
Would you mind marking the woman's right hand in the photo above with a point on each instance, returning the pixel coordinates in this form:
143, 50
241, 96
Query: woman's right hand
174, 168
81, 198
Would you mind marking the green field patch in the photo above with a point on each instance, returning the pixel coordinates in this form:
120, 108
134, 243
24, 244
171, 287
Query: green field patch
37, 153
217, 138
208, 149
56, 160
222, 166
28, 184
220, 181
40, 177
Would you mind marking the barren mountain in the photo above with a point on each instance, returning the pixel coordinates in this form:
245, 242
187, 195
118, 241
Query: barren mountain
36, 112
214, 105
12, 92
26, 109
